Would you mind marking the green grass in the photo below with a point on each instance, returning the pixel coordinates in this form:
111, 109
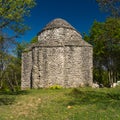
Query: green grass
61, 104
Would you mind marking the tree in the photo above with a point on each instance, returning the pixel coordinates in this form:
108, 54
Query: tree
20, 47
12, 75
105, 38
34, 40
5, 47
111, 7
12, 14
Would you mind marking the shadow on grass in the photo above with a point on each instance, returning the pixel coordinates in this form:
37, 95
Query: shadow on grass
20, 92
8, 97
79, 97
7, 100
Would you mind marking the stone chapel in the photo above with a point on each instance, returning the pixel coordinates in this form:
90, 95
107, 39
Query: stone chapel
60, 57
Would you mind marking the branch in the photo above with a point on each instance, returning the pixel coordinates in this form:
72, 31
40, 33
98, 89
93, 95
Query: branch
4, 24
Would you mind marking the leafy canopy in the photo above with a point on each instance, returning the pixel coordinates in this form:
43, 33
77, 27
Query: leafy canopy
112, 7
105, 38
12, 13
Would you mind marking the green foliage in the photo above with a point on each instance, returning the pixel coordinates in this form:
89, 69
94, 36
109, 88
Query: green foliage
12, 13
20, 47
101, 76
34, 40
111, 7
105, 38
56, 87
12, 75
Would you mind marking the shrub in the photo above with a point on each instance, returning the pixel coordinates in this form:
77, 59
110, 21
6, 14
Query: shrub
55, 87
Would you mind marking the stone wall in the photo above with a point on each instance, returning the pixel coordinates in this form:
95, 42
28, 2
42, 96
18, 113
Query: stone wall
48, 67
67, 66
78, 66
26, 70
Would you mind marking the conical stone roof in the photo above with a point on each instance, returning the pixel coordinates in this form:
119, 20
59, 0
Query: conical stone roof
60, 33
58, 23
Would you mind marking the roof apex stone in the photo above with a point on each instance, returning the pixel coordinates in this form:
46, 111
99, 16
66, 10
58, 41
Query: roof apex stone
58, 23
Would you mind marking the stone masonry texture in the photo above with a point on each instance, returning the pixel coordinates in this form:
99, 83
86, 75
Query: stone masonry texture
61, 57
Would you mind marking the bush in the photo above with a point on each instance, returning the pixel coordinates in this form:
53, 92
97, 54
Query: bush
55, 87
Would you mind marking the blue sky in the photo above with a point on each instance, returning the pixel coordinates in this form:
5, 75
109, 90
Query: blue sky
79, 13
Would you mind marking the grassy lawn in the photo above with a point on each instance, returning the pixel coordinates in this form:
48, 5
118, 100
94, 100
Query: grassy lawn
62, 104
